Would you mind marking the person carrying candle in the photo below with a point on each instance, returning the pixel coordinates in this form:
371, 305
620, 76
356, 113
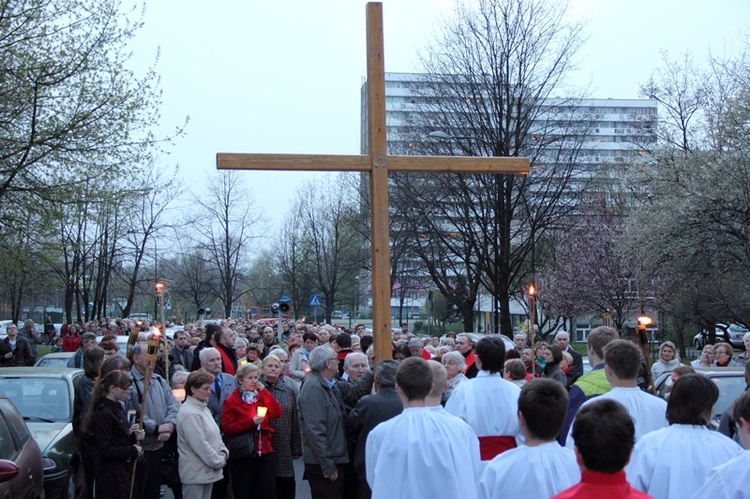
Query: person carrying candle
246, 422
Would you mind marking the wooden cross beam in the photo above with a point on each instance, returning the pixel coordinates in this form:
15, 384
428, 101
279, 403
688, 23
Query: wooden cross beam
377, 163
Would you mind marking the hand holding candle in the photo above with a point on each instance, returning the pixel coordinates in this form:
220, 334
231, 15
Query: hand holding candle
260, 413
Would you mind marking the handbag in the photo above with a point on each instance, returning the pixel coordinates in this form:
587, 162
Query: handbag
240, 445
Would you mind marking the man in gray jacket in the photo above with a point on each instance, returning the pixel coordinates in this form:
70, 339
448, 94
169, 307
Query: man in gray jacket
322, 426
158, 420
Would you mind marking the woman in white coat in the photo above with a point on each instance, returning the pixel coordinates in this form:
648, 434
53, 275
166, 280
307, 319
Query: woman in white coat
202, 452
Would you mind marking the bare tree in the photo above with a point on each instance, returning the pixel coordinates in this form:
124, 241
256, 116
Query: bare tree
493, 77
331, 238
225, 228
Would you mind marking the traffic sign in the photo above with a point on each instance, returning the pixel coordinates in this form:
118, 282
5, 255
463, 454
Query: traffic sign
284, 298
315, 300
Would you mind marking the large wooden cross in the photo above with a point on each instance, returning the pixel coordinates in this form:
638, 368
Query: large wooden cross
377, 163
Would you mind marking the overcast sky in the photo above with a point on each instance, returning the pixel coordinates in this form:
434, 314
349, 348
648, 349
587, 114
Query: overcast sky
284, 76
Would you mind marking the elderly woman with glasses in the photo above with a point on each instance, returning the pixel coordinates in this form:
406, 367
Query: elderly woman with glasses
723, 355
454, 364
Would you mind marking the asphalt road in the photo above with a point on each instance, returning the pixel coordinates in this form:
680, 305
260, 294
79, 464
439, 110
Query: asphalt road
303, 490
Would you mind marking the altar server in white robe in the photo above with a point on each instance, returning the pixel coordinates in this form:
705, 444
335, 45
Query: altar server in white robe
540, 468
489, 403
622, 360
673, 463
733, 478
421, 453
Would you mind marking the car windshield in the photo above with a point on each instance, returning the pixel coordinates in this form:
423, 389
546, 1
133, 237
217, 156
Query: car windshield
53, 362
730, 387
38, 399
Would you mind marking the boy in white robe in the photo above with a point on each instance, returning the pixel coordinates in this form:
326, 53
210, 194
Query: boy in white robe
672, 463
421, 453
541, 468
732, 478
622, 360
489, 403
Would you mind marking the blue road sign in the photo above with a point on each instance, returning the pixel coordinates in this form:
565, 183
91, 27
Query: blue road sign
284, 298
315, 300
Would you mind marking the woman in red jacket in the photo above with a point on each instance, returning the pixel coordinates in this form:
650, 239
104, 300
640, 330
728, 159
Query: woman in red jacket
71, 339
248, 434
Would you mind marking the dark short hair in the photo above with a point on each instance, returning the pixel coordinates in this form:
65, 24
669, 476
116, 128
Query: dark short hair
741, 407
516, 368
491, 353
210, 330
402, 349
557, 353
344, 340
385, 372
624, 358
543, 404
691, 399
109, 343
365, 342
309, 335
600, 337
414, 378
197, 379
604, 435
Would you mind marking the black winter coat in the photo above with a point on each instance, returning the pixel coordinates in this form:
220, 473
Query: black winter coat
115, 451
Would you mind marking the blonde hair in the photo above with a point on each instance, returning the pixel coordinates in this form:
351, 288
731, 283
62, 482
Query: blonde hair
268, 358
246, 369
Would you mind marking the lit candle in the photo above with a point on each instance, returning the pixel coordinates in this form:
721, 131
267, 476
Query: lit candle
261, 411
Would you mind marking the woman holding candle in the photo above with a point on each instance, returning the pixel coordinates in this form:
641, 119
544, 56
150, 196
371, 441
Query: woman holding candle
286, 436
116, 441
246, 422
202, 452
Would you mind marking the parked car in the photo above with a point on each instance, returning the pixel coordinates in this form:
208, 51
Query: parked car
56, 359
730, 380
44, 397
509, 345
21, 474
732, 334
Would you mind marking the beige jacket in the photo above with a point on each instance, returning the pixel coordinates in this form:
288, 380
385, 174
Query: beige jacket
199, 442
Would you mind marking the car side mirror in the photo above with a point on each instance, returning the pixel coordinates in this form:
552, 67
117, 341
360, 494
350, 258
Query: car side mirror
8, 470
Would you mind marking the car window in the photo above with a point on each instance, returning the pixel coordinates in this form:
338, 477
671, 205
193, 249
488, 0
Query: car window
14, 422
730, 387
38, 399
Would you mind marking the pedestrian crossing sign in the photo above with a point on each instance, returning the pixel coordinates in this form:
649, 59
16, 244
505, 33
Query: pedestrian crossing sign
315, 300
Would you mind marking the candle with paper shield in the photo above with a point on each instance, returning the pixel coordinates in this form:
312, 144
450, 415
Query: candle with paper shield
179, 394
261, 411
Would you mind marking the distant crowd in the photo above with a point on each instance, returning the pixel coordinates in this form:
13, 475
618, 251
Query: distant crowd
228, 405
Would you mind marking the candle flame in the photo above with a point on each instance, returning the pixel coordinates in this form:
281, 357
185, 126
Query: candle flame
531, 290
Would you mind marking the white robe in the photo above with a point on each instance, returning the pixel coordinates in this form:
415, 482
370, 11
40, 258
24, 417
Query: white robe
672, 463
730, 480
489, 404
422, 453
537, 472
649, 412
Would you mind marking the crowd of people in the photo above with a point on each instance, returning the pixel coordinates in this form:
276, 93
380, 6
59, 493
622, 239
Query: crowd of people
445, 417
